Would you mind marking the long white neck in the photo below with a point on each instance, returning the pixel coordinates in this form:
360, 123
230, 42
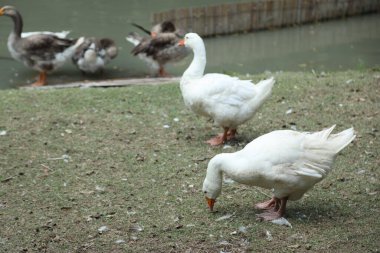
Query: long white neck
214, 171
197, 66
226, 163
212, 184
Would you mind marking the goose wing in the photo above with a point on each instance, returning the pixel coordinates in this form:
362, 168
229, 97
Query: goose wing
152, 46
44, 47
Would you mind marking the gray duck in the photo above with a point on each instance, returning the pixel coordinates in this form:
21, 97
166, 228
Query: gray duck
160, 48
42, 52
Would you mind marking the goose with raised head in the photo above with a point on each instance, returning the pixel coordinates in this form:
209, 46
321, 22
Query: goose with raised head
42, 52
228, 100
288, 162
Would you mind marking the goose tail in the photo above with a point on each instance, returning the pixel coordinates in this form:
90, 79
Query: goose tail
265, 86
326, 142
69, 52
322, 147
141, 28
264, 89
339, 141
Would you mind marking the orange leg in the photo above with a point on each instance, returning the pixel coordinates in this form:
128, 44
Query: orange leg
231, 134
273, 203
219, 139
274, 213
41, 80
162, 72
228, 134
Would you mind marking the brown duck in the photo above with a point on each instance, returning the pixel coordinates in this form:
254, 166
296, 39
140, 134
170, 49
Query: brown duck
160, 48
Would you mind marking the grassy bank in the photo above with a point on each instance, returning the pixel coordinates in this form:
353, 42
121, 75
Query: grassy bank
133, 159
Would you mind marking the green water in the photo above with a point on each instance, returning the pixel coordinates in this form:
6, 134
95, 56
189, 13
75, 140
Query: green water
343, 44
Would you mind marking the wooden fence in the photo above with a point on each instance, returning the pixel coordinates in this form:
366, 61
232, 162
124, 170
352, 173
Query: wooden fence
262, 14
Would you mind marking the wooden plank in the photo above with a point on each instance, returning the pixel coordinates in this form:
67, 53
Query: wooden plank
182, 20
254, 17
262, 14
223, 19
244, 16
218, 26
289, 12
270, 14
109, 83
198, 20
211, 20
278, 13
233, 19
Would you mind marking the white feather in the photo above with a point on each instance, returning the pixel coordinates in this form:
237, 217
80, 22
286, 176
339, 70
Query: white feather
62, 34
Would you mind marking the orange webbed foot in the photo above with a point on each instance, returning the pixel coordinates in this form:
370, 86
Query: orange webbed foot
41, 80
216, 141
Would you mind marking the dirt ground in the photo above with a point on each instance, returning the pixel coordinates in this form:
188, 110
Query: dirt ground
121, 170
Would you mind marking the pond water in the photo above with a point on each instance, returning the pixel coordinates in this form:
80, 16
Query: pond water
351, 43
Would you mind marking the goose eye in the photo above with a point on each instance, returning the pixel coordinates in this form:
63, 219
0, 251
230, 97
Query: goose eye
205, 192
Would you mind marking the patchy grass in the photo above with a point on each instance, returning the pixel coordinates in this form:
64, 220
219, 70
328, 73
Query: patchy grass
123, 169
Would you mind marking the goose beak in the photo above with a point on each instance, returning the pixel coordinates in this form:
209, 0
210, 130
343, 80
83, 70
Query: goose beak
181, 43
210, 203
1, 11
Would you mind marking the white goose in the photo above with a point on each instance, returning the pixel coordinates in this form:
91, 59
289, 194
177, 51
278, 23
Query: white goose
227, 100
288, 162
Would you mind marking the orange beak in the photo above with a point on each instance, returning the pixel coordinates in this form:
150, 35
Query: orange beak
210, 203
1, 11
181, 43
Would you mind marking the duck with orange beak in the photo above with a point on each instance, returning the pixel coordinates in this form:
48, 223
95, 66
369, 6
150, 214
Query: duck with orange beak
227, 100
42, 52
